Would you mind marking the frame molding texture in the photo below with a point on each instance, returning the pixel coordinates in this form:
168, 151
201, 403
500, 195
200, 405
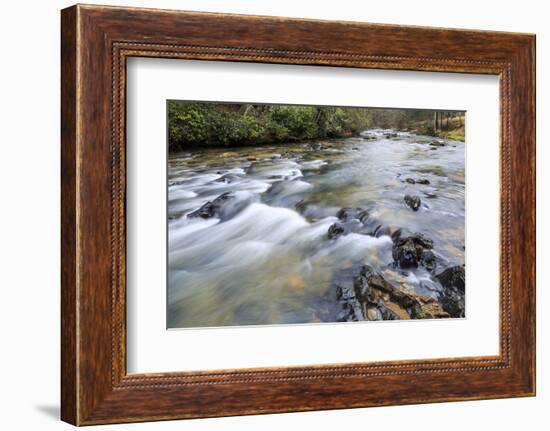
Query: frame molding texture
95, 43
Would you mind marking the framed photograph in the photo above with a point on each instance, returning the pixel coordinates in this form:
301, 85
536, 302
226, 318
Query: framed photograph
264, 214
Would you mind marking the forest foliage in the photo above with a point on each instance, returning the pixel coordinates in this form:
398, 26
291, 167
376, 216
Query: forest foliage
194, 124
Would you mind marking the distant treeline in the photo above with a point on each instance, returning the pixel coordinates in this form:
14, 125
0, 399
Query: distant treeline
194, 124
446, 124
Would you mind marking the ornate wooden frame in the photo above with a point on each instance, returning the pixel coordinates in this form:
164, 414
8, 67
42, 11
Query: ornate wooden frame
95, 43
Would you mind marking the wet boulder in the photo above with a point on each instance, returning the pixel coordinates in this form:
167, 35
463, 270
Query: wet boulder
336, 230
358, 220
228, 178
374, 227
452, 298
212, 208
429, 260
348, 313
430, 308
453, 303
317, 146
350, 307
410, 251
437, 144
286, 193
413, 202
381, 230
401, 234
312, 212
224, 207
348, 214
453, 277
422, 181
380, 300
373, 313
301, 206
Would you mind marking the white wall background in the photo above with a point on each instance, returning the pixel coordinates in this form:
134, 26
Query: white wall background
29, 215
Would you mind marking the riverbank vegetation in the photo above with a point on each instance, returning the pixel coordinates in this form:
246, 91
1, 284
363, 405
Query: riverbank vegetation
441, 124
199, 124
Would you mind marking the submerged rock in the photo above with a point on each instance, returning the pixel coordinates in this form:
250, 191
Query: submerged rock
228, 178
437, 144
422, 181
286, 193
224, 207
374, 227
347, 214
381, 230
312, 212
211, 209
335, 230
358, 220
301, 206
413, 202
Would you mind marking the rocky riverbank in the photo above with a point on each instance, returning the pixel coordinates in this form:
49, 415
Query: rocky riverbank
365, 294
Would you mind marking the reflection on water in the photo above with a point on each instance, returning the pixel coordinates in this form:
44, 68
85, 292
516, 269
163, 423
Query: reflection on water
265, 256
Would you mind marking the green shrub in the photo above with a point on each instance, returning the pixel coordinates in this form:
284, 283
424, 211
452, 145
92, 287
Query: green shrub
294, 123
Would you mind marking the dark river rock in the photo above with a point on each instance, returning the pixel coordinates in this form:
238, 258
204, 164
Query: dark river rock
280, 234
413, 202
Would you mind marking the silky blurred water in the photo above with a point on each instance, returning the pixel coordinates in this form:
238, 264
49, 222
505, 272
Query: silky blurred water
268, 259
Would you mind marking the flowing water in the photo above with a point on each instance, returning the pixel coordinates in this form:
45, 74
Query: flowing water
267, 258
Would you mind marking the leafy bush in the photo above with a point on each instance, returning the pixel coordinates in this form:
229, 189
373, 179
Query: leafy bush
293, 123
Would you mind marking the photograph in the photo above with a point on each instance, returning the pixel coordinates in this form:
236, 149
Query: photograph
296, 214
